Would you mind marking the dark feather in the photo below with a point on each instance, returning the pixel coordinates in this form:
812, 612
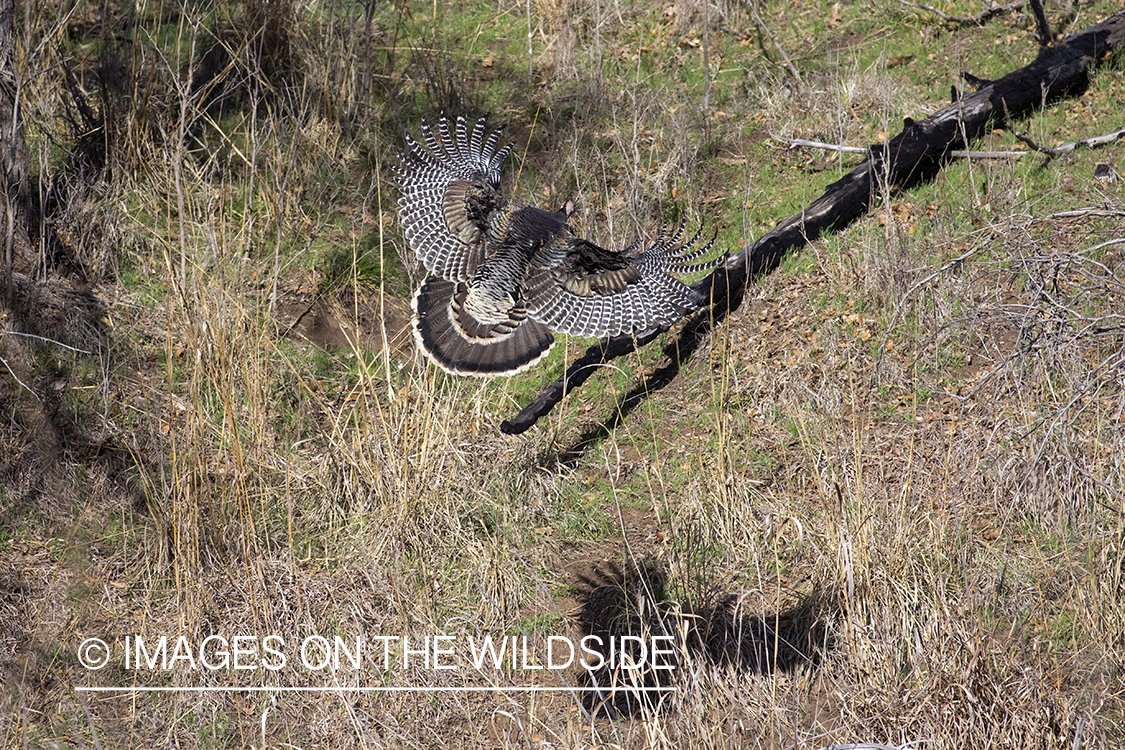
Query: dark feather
588, 269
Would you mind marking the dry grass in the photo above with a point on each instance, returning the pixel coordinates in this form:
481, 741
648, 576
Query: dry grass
883, 504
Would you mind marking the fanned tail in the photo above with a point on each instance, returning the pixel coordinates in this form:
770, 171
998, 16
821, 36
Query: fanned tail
461, 345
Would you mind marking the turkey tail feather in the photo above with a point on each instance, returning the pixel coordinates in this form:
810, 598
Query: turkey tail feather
460, 345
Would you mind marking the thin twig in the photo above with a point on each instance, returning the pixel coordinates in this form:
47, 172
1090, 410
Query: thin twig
49, 341
16, 378
784, 57
1107, 243
1082, 213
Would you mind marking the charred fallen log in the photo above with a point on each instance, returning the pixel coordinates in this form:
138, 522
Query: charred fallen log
913, 156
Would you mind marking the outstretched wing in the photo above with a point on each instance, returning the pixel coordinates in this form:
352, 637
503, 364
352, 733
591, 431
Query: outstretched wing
449, 190
576, 287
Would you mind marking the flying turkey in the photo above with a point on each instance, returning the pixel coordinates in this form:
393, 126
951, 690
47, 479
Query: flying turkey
503, 277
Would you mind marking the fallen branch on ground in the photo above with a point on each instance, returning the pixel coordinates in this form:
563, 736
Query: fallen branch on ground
1096, 141
979, 18
913, 156
800, 142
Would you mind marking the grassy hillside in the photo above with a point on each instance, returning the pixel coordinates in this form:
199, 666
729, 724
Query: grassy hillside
884, 501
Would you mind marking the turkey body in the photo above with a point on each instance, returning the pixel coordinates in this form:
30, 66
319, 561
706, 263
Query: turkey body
502, 278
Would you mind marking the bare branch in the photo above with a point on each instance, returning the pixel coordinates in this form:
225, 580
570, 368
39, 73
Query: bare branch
1042, 28
17, 379
1094, 142
979, 18
49, 341
797, 142
1082, 213
766, 29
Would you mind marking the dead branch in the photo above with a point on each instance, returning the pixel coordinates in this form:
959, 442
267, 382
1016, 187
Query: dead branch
1094, 142
913, 156
978, 19
1042, 28
784, 57
796, 142
1082, 213
1066, 325
800, 142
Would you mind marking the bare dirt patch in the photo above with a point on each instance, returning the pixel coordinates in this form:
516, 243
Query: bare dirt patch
361, 320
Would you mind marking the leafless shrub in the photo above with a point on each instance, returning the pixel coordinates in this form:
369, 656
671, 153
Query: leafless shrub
1066, 364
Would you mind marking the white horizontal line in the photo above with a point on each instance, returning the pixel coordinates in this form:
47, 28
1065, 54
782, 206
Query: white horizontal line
343, 689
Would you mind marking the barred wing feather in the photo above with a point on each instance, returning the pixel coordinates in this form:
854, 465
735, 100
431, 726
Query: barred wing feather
576, 287
449, 191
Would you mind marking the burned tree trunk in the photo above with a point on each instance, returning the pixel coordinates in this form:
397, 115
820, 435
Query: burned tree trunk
915, 155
